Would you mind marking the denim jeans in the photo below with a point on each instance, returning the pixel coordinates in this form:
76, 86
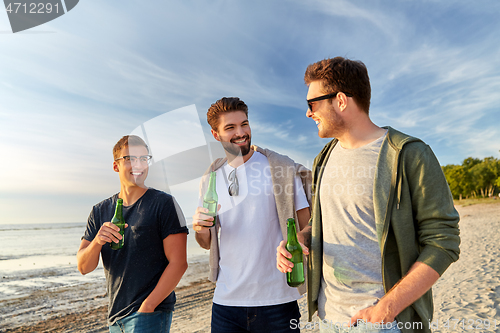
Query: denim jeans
254, 319
327, 327
138, 322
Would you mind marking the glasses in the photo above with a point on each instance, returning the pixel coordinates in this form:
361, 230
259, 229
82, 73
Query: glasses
233, 187
145, 159
320, 98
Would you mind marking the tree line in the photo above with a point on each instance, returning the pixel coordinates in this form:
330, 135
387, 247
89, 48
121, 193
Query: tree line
474, 178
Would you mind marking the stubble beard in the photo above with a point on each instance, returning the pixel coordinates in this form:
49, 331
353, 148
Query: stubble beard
336, 126
236, 150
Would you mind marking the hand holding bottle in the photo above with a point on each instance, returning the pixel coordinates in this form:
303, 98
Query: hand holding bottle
108, 233
283, 263
202, 220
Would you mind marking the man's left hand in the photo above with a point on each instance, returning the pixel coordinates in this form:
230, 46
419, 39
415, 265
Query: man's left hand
378, 313
144, 308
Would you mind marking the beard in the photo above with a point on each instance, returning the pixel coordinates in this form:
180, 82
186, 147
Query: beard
332, 127
231, 148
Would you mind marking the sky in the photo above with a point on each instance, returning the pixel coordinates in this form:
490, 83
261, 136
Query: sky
71, 88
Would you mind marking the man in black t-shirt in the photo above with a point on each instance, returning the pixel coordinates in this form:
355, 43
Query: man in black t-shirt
142, 275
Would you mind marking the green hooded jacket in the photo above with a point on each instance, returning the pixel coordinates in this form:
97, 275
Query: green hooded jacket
414, 215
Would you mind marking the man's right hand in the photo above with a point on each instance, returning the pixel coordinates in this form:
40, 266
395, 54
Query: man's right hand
282, 263
88, 253
202, 222
108, 233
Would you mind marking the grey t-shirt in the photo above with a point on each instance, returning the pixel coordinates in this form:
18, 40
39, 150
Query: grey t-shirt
352, 278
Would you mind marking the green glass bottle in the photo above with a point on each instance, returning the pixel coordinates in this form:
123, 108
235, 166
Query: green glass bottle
210, 199
119, 222
296, 277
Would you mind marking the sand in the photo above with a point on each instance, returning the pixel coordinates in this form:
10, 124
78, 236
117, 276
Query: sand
465, 298
470, 289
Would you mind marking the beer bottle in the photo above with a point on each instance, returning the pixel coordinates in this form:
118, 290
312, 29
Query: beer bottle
119, 222
210, 199
296, 277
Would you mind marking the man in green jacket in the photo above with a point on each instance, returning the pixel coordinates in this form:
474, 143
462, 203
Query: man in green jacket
383, 227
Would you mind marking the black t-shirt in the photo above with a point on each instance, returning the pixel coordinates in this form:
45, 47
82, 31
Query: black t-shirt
133, 271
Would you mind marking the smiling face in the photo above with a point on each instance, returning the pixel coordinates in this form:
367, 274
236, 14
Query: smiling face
234, 133
327, 117
132, 173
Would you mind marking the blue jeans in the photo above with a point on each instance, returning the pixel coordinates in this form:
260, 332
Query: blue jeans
138, 322
254, 319
328, 327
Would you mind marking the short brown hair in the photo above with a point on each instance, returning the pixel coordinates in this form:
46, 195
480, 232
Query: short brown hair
225, 104
128, 140
345, 75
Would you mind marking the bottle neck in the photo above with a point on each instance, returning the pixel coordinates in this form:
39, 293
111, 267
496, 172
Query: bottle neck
119, 208
291, 232
211, 184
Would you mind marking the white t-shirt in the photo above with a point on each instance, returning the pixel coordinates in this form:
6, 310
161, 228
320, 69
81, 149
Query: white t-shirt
248, 238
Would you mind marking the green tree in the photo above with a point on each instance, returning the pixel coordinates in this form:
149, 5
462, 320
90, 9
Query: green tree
470, 162
471, 187
474, 177
459, 180
497, 181
485, 175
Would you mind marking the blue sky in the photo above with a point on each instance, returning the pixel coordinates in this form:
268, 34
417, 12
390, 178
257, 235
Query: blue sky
69, 89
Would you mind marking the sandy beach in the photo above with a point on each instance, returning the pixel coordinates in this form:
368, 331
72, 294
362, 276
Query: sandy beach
466, 298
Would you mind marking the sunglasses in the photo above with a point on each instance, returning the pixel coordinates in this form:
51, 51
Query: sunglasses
320, 98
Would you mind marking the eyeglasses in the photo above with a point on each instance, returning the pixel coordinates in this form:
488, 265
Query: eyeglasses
145, 159
233, 187
320, 98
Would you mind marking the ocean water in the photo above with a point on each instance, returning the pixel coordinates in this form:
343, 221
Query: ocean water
43, 257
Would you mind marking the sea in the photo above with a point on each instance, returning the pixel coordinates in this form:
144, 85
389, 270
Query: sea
37, 257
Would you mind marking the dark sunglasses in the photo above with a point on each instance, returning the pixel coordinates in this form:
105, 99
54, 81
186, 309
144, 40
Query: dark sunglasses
320, 98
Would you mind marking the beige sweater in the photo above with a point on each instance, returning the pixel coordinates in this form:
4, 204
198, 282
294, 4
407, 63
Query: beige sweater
283, 172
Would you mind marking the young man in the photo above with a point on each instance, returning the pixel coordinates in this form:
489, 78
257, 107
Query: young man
383, 225
142, 275
258, 190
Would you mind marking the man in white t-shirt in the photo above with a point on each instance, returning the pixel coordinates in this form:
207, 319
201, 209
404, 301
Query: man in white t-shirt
258, 190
